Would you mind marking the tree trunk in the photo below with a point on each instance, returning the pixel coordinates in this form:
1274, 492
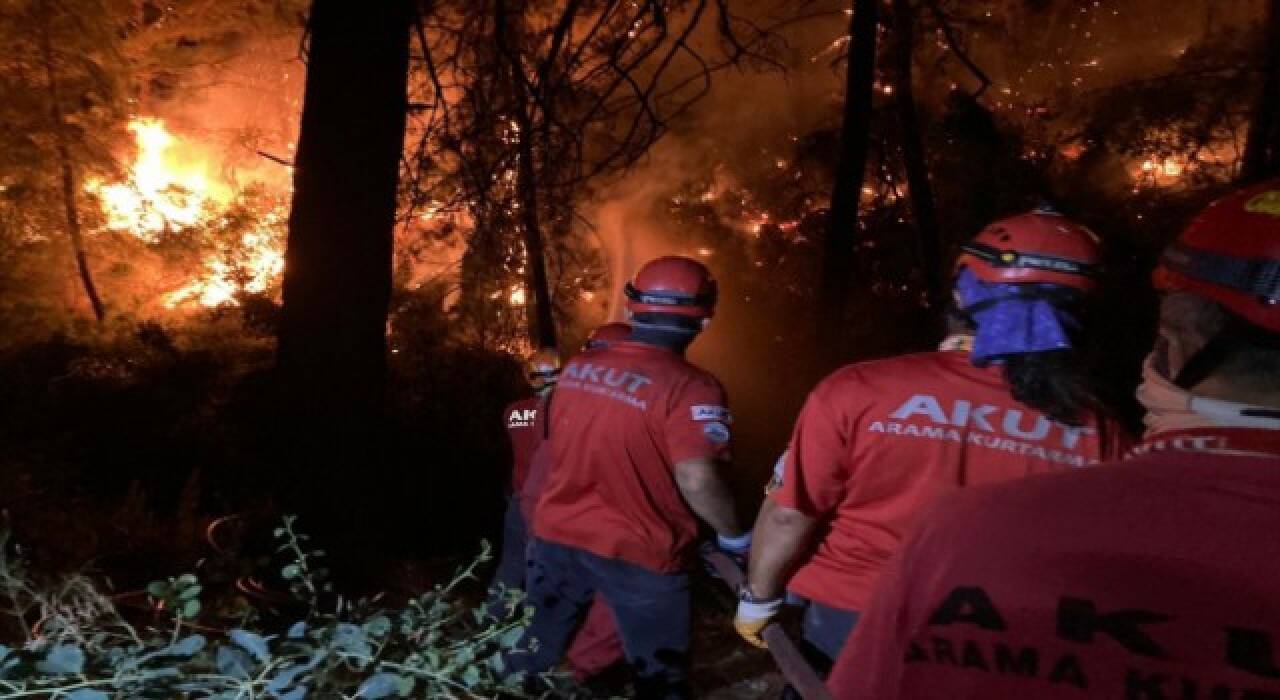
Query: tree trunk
838, 250
542, 326
337, 276
923, 209
68, 173
1262, 148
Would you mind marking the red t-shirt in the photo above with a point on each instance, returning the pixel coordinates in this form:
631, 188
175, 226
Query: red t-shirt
879, 442
622, 417
1157, 579
523, 433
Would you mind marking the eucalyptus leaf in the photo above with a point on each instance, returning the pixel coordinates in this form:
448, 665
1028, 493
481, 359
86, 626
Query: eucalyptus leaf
285, 678
351, 639
233, 662
379, 626
298, 630
187, 646
380, 685
63, 659
253, 643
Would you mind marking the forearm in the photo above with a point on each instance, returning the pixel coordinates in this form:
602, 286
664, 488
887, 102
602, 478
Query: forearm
781, 536
710, 500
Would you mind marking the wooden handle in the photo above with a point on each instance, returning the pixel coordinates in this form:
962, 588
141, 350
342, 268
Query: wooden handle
793, 665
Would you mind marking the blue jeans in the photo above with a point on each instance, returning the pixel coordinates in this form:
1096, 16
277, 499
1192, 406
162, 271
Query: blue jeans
824, 631
826, 628
512, 558
651, 610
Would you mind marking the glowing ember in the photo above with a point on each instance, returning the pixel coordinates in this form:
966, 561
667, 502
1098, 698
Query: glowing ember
517, 297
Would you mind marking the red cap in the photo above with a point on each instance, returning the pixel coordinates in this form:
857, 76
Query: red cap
673, 285
1038, 247
1230, 253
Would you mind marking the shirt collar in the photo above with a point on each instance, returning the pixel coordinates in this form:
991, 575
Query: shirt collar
1235, 441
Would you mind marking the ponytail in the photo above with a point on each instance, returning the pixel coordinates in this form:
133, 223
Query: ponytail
1054, 383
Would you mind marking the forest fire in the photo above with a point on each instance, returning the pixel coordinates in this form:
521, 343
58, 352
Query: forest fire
159, 193
169, 193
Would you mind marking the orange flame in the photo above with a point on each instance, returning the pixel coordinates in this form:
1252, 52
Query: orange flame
168, 192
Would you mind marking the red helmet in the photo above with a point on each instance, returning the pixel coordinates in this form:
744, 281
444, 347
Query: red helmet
1231, 254
673, 285
1038, 247
607, 335
543, 368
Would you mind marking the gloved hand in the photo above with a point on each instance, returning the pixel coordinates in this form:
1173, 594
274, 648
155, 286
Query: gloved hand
754, 614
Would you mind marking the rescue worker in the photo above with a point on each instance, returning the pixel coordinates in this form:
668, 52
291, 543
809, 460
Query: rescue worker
879, 442
638, 436
596, 646
541, 370
1155, 578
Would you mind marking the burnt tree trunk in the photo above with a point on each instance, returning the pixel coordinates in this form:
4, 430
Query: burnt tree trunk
923, 209
542, 326
337, 276
851, 167
1262, 148
68, 174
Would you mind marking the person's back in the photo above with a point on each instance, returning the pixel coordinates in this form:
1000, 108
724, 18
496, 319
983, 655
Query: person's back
917, 428
637, 442
618, 497
1159, 578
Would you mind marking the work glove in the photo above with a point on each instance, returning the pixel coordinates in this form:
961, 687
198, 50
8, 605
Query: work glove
754, 614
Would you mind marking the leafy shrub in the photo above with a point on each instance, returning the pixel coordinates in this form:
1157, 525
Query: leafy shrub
79, 646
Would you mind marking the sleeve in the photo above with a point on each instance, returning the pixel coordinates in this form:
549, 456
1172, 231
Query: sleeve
698, 424
814, 471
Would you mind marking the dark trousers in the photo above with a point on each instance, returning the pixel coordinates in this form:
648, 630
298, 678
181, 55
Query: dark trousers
512, 558
825, 630
651, 610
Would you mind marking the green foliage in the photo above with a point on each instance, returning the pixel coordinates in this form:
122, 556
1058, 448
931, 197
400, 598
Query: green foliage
83, 648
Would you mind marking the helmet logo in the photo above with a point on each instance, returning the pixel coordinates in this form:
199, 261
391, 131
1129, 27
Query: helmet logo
1265, 203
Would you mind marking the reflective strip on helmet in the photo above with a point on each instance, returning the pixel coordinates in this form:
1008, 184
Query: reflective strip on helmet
1013, 258
1258, 277
664, 298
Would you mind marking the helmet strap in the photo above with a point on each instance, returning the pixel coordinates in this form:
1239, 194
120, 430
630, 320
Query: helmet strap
1208, 359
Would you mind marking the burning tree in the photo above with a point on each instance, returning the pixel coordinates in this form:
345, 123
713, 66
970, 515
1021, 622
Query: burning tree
526, 107
63, 81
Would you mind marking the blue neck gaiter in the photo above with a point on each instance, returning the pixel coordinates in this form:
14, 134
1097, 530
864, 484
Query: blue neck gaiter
1015, 319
